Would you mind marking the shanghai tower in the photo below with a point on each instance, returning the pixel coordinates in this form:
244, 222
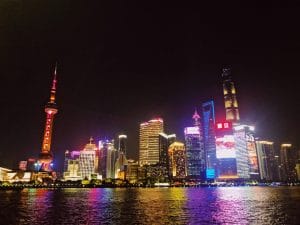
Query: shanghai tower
231, 105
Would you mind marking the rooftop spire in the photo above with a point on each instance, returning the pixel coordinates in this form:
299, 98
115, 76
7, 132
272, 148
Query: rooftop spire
54, 78
53, 88
196, 118
91, 140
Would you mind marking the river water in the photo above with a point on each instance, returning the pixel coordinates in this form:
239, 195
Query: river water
222, 205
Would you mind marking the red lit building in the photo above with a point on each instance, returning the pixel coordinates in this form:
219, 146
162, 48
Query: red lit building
46, 156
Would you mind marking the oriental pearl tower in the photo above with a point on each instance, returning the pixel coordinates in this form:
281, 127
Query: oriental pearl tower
46, 156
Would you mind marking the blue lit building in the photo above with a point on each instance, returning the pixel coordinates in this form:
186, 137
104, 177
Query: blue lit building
209, 138
195, 154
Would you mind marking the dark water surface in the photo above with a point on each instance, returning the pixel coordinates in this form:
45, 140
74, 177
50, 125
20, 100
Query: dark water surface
223, 205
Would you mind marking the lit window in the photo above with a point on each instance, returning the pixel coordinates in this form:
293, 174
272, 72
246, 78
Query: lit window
226, 125
219, 125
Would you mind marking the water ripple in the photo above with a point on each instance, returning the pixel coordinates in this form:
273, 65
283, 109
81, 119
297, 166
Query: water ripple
228, 205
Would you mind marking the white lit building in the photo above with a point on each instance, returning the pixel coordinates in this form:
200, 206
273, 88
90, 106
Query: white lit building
108, 157
88, 161
73, 171
149, 141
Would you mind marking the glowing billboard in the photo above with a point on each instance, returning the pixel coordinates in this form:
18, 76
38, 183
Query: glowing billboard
225, 147
192, 130
224, 126
253, 161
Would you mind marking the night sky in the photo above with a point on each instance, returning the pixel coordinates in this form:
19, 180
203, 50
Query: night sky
122, 63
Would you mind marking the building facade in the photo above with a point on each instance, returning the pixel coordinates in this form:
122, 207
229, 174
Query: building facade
73, 170
89, 160
164, 142
230, 99
108, 157
177, 157
195, 155
121, 161
149, 141
209, 137
288, 160
268, 167
226, 152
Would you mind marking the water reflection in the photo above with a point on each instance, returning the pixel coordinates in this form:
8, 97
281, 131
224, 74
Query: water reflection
228, 205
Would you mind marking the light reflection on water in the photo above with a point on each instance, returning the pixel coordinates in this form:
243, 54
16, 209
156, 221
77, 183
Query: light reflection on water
226, 205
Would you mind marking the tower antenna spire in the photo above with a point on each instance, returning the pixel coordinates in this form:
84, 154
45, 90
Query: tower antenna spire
46, 157
53, 88
196, 117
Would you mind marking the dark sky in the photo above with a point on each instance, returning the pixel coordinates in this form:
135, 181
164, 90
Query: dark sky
122, 62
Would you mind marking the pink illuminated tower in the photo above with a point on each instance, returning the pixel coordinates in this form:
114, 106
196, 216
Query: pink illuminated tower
196, 118
46, 157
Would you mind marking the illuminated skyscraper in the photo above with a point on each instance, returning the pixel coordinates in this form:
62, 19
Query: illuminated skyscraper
195, 155
121, 161
132, 171
288, 160
246, 155
268, 168
252, 153
177, 158
67, 158
122, 143
164, 142
108, 158
73, 170
209, 136
230, 100
149, 141
88, 160
226, 152
72, 166
46, 156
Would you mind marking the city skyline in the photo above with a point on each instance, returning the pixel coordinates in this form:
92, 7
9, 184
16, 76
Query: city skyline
194, 118
109, 89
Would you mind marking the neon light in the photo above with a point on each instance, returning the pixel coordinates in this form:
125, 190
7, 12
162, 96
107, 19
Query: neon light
122, 136
242, 127
210, 173
156, 120
172, 136
286, 145
265, 142
192, 130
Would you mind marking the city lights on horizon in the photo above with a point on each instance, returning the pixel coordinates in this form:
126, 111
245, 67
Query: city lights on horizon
211, 150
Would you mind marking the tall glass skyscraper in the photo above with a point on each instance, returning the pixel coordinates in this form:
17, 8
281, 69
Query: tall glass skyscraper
230, 100
246, 153
149, 141
268, 167
288, 159
164, 142
121, 161
195, 154
209, 137
108, 159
